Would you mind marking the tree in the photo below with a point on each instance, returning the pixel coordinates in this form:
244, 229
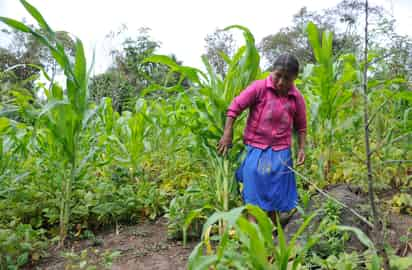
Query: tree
130, 73
21, 59
107, 84
17, 88
217, 43
344, 21
21, 50
20, 63
293, 39
129, 60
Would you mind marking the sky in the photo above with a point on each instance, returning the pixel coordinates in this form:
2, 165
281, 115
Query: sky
180, 25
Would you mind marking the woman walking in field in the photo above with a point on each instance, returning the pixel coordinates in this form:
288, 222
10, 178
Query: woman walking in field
276, 107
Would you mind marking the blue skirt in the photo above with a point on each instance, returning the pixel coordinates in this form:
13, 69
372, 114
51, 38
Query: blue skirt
267, 180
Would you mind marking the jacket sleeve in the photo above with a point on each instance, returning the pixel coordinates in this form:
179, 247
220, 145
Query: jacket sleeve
300, 116
244, 100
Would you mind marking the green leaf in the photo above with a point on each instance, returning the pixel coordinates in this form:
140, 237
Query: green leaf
189, 72
57, 92
188, 220
156, 87
80, 64
401, 263
363, 238
246, 32
37, 16
162, 59
304, 225
313, 36
23, 259
4, 124
254, 243
89, 72
231, 216
80, 73
16, 24
197, 261
224, 240
284, 250
326, 50
264, 222
375, 262
213, 79
204, 262
225, 57
51, 105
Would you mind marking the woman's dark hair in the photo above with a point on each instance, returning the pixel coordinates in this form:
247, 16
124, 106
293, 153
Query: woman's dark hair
287, 62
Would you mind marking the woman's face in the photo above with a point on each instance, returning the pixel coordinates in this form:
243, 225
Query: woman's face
282, 80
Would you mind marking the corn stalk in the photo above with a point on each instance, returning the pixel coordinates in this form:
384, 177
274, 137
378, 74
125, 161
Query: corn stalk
255, 241
326, 93
63, 114
210, 95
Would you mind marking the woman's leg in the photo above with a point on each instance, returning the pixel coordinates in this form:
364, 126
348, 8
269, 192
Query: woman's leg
273, 216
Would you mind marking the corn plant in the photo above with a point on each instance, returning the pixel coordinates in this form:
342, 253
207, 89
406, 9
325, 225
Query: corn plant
129, 132
328, 88
65, 111
246, 245
209, 97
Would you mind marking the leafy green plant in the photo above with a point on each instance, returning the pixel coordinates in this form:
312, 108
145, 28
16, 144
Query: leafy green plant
332, 243
248, 245
21, 245
82, 260
327, 89
402, 203
62, 114
188, 210
251, 245
209, 95
343, 261
65, 160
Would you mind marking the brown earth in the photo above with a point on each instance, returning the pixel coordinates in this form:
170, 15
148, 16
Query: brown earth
397, 225
146, 246
142, 246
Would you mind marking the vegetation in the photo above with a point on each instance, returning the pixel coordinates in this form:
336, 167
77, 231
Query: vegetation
138, 142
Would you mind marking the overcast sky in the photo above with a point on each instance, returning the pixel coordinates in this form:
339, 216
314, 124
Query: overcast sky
181, 25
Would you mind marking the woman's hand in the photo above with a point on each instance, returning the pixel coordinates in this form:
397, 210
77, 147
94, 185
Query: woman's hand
301, 157
224, 144
301, 151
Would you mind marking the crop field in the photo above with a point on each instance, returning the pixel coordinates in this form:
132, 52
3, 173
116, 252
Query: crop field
120, 170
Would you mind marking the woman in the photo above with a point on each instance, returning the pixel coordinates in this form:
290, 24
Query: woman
276, 107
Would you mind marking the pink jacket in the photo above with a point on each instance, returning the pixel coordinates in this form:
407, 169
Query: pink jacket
271, 116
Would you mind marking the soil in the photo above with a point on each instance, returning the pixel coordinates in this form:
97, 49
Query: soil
146, 246
141, 246
397, 225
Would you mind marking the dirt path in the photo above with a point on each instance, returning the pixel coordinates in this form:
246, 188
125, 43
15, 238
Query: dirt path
142, 246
